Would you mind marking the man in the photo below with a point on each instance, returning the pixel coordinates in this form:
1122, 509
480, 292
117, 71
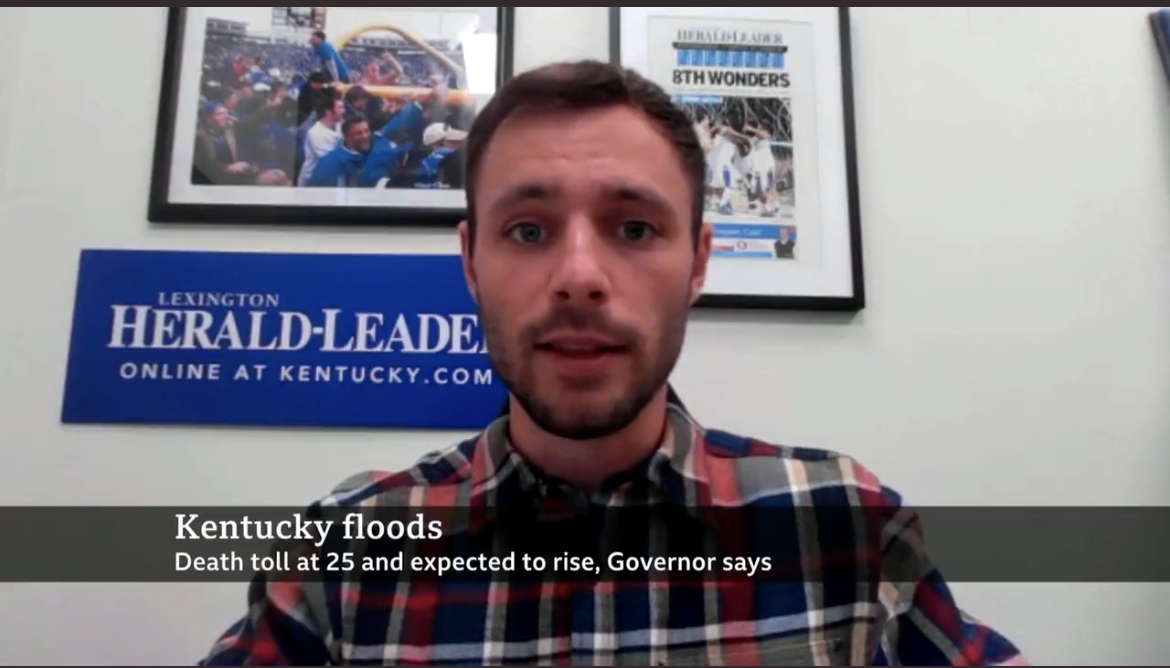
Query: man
217, 155
340, 167
310, 95
279, 129
724, 175
359, 102
762, 193
388, 162
331, 63
785, 246
374, 76
585, 249
391, 146
705, 132
443, 141
239, 67
248, 100
231, 101
324, 136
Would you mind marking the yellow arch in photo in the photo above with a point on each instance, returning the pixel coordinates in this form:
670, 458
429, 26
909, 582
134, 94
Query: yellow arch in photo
401, 93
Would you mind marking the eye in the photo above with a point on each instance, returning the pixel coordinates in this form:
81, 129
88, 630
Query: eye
636, 230
527, 233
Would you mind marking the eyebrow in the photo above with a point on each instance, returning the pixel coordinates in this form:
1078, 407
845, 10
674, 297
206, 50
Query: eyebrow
622, 191
630, 192
521, 192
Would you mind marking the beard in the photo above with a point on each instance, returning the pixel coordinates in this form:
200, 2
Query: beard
556, 410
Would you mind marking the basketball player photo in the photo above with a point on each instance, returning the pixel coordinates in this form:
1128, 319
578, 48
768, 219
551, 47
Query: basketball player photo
748, 146
743, 85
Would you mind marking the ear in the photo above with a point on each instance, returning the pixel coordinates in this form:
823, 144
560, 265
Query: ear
468, 266
702, 259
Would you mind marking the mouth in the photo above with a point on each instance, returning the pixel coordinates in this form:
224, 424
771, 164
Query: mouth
580, 347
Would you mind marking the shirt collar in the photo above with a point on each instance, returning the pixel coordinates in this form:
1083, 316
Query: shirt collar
673, 473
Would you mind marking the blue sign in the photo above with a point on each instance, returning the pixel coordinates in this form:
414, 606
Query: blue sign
690, 56
749, 231
278, 339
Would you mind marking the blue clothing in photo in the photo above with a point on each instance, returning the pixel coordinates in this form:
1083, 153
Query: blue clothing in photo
429, 173
338, 168
328, 54
383, 162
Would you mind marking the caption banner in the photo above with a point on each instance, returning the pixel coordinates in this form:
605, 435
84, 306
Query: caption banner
232, 544
358, 528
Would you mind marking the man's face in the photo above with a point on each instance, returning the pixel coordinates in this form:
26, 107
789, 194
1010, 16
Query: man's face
358, 137
339, 109
584, 266
315, 40
219, 117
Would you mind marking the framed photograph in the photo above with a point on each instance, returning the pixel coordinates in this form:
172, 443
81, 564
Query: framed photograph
322, 115
769, 90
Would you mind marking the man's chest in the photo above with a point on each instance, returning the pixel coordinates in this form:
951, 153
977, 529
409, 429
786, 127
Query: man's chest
599, 623
611, 588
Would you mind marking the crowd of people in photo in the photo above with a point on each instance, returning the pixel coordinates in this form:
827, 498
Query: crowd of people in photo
276, 112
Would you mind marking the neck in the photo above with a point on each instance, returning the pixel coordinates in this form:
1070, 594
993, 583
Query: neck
586, 464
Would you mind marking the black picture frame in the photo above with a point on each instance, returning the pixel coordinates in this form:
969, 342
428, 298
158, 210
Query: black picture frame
854, 302
163, 210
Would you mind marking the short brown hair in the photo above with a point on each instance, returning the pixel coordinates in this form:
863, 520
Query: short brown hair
589, 84
356, 94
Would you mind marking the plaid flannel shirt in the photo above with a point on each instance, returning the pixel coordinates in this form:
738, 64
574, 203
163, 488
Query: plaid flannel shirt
512, 618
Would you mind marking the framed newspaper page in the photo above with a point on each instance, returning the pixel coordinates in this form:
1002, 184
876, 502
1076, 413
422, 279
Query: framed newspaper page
769, 90
322, 115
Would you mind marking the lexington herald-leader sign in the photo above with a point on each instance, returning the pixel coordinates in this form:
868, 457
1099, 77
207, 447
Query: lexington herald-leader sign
277, 339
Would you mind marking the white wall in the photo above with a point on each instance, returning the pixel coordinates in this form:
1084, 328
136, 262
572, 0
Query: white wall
10, 29
1015, 179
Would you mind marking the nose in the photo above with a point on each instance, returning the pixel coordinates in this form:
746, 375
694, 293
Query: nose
580, 275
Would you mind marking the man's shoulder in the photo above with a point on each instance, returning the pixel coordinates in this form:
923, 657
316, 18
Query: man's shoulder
764, 470
442, 469
322, 131
331, 156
